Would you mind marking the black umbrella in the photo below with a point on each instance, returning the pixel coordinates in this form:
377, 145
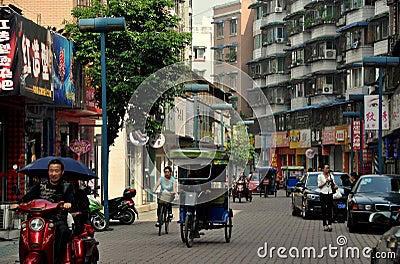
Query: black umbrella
73, 169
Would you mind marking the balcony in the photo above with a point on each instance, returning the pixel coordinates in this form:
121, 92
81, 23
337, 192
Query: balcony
274, 48
360, 14
381, 47
357, 54
276, 78
300, 71
323, 64
300, 38
298, 102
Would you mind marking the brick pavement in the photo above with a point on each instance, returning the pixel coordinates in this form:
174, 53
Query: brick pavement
265, 220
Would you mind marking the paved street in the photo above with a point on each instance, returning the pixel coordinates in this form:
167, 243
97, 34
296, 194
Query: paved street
265, 221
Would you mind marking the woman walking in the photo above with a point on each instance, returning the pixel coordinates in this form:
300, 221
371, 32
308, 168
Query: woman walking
326, 186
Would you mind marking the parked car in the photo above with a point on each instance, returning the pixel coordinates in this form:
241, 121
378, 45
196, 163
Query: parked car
372, 193
305, 196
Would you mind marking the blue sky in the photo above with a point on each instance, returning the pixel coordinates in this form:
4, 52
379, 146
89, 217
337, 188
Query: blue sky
204, 8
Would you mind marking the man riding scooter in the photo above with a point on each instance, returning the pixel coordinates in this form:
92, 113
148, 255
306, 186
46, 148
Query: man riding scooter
54, 189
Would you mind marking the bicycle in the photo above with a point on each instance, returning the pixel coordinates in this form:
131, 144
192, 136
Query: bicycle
164, 218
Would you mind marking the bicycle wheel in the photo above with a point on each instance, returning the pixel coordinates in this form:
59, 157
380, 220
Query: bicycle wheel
166, 220
189, 230
228, 230
160, 218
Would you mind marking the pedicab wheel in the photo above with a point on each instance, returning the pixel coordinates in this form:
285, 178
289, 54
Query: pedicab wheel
228, 230
183, 233
189, 230
266, 191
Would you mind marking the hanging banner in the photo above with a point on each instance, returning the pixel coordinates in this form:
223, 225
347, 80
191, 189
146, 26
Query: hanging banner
80, 147
371, 112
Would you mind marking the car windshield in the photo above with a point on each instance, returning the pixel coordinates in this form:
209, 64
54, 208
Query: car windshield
342, 180
255, 177
378, 184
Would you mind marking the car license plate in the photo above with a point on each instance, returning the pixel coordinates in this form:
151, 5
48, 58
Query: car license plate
341, 206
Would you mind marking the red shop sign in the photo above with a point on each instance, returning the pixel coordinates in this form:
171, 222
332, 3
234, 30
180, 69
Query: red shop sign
80, 147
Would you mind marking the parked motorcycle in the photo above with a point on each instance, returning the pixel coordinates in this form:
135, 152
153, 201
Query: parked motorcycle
123, 208
120, 208
37, 236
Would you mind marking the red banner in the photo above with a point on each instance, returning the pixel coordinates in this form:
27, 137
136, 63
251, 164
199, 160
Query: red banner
356, 134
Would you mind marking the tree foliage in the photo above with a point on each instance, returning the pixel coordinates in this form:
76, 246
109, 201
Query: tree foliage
241, 148
149, 43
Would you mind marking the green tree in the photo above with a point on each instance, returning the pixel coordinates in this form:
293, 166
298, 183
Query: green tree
241, 148
149, 43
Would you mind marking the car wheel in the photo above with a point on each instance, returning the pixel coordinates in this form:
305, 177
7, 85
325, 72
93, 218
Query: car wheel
350, 224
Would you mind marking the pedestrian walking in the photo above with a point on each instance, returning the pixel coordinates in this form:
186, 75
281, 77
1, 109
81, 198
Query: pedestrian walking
327, 187
354, 178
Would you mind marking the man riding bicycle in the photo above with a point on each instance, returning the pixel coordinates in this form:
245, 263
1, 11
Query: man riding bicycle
168, 184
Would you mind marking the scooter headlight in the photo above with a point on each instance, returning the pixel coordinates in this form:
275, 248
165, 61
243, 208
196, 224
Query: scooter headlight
36, 224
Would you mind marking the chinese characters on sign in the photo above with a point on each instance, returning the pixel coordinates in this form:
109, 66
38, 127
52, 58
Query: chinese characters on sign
79, 146
356, 134
7, 49
371, 112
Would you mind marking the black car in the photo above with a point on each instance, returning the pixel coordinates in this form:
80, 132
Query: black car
305, 196
372, 193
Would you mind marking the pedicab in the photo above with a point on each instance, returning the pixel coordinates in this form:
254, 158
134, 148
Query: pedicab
267, 183
203, 188
291, 176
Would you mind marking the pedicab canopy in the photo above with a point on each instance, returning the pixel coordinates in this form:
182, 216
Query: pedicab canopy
203, 168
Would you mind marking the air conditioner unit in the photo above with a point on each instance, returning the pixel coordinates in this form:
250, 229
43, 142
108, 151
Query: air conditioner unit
330, 54
278, 9
327, 89
279, 100
279, 40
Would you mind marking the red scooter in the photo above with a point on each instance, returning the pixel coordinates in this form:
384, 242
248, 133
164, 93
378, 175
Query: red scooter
36, 243
240, 190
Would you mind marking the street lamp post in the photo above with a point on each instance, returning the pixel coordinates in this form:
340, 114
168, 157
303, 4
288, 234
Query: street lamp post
222, 107
380, 62
360, 115
195, 88
102, 25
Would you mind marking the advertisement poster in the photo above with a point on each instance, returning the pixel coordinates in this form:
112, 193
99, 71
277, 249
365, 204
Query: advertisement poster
371, 112
63, 67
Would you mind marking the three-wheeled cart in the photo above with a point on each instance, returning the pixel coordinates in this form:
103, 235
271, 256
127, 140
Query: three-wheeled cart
267, 184
203, 187
291, 176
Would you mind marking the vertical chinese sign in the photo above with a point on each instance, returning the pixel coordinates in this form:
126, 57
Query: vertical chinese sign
371, 112
9, 76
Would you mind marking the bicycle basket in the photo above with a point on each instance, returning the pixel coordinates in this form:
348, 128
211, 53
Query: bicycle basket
190, 198
166, 197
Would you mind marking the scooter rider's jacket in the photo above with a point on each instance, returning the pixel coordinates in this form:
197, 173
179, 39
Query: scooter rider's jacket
52, 193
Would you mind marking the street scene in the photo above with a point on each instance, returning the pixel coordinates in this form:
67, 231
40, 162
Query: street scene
212, 131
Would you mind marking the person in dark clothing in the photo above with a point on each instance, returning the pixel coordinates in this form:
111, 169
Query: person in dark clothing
55, 189
80, 208
354, 178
